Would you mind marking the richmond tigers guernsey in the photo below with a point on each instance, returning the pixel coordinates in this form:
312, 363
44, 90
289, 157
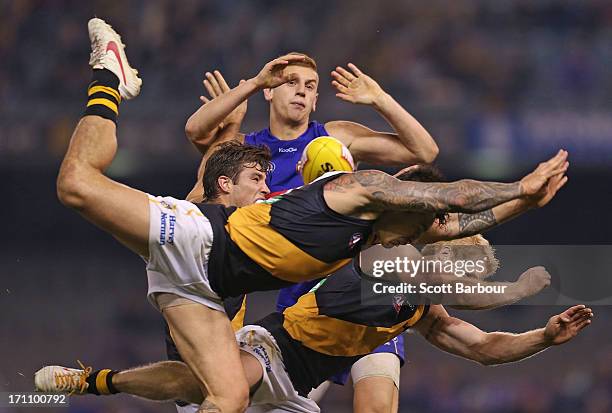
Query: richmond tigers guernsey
291, 238
333, 325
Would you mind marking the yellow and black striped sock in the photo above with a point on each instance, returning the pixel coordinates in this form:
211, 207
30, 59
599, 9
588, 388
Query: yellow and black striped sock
101, 382
103, 95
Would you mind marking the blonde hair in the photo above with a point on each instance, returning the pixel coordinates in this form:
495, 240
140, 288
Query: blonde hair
307, 62
476, 245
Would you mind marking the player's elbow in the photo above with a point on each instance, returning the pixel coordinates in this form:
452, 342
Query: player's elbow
194, 134
191, 131
431, 154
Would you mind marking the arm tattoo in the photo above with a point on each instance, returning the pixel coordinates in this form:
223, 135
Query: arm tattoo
341, 184
472, 224
462, 196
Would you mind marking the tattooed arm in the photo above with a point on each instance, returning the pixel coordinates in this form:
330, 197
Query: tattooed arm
464, 225
374, 192
389, 193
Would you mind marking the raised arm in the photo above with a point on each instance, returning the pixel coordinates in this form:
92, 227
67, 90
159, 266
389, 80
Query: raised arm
374, 192
202, 123
463, 339
459, 225
411, 143
195, 130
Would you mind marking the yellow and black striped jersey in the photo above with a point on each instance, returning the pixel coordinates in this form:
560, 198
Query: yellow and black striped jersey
291, 238
335, 324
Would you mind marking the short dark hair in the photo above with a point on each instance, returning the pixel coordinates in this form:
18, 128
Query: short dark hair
228, 160
426, 173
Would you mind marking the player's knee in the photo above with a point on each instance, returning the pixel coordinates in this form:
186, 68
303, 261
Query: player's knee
70, 187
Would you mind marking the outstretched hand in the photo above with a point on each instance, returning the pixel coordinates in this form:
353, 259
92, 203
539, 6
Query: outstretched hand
355, 86
215, 85
565, 326
536, 183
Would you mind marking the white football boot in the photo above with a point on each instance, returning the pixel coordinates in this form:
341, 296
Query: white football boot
58, 379
108, 52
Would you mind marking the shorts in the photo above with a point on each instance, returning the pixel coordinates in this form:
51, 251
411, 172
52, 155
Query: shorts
180, 240
276, 392
393, 346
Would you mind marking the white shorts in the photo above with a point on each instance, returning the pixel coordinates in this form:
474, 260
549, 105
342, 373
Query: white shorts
276, 392
180, 240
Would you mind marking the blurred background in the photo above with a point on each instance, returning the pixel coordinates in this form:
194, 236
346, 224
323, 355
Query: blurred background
501, 85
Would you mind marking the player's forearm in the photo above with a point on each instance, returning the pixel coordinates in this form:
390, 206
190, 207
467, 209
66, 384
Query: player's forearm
475, 196
500, 348
460, 225
465, 296
472, 224
409, 131
466, 195
200, 125
504, 293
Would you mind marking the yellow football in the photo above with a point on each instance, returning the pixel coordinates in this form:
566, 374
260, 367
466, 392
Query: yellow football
324, 154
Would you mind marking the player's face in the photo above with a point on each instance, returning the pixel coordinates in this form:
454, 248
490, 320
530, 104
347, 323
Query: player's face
250, 186
400, 228
296, 99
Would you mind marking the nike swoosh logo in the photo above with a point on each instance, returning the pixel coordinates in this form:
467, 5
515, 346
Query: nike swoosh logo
112, 46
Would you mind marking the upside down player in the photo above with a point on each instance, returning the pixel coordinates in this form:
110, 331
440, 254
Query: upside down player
204, 253
290, 130
286, 355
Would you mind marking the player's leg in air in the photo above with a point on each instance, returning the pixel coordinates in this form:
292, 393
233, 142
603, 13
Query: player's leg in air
202, 333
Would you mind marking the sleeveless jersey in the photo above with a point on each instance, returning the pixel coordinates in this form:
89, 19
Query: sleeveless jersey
336, 323
285, 155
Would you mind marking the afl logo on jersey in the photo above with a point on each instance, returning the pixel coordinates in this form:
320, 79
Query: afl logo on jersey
355, 239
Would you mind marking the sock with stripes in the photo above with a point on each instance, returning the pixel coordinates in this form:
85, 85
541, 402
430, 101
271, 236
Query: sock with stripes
103, 95
101, 382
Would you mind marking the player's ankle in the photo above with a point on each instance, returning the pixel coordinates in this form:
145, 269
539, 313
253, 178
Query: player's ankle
100, 382
103, 95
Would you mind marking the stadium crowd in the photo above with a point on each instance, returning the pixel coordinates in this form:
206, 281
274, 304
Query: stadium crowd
449, 62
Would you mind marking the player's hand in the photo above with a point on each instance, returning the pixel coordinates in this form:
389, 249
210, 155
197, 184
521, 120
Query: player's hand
274, 73
534, 280
355, 86
215, 85
536, 181
547, 192
565, 326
